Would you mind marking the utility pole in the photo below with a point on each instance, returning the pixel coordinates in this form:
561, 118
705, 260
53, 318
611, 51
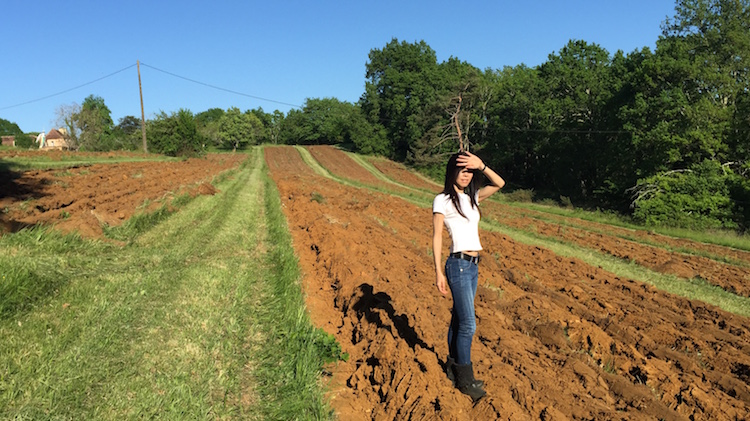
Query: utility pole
143, 115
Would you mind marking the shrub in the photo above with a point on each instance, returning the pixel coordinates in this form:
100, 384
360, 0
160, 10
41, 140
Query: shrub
520, 195
174, 135
24, 141
696, 198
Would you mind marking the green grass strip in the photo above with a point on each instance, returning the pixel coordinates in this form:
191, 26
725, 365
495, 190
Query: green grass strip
35, 263
313, 163
298, 351
175, 325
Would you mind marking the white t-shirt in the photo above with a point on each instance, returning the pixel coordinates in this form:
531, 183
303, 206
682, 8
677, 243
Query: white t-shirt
464, 232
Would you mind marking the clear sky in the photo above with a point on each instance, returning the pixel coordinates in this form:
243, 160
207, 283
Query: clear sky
59, 52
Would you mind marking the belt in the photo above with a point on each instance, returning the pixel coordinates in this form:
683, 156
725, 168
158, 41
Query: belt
464, 256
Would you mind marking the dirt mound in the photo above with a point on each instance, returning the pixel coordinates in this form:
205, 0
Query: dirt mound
207, 189
556, 338
85, 197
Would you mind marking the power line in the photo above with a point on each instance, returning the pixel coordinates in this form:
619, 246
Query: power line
159, 70
68, 90
220, 88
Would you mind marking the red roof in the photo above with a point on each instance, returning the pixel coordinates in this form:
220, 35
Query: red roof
54, 134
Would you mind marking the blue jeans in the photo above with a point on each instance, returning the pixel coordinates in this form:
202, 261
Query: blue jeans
462, 277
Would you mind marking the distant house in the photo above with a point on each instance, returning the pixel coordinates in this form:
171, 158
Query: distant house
56, 139
9, 141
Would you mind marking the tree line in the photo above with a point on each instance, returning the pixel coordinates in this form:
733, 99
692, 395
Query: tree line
662, 135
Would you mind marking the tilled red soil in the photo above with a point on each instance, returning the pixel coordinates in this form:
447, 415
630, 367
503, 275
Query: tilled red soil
83, 198
733, 278
557, 339
341, 165
649, 237
400, 174
664, 257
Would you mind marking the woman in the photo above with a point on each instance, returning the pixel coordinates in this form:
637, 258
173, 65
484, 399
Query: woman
458, 208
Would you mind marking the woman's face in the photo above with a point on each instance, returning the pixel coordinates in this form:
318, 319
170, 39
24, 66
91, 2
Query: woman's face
464, 178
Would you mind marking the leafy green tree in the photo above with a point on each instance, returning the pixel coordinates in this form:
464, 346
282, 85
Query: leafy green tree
263, 134
330, 121
698, 197
579, 88
212, 115
273, 128
8, 128
208, 125
366, 138
293, 129
402, 79
95, 123
237, 129
174, 135
326, 120
129, 124
701, 71
127, 134
688, 99
517, 124
24, 141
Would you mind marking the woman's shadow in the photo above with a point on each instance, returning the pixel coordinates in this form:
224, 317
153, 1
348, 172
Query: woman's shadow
370, 301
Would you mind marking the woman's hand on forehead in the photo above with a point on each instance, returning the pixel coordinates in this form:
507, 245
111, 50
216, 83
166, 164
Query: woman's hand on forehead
470, 161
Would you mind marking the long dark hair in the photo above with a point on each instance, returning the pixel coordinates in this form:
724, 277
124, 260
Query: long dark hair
451, 173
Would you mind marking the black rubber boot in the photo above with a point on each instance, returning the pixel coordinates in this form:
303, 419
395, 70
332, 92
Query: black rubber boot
465, 382
449, 363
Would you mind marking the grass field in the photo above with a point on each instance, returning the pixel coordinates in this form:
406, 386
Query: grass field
178, 324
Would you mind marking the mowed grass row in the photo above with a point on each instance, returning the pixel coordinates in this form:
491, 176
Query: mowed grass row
199, 317
690, 288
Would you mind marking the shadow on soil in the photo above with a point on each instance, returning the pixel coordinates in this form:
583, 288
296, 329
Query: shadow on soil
11, 188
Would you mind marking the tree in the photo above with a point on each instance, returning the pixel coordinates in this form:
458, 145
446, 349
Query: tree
66, 117
129, 124
459, 106
24, 141
402, 80
8, 128
328, 121
208, 125
127, 133
237, 129
95, 123
688, 98
274, 127
175, 134
698, 197
710, 43
579, 88
517, 124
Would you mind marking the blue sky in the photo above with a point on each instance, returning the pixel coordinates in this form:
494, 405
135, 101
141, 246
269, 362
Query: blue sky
284, 51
